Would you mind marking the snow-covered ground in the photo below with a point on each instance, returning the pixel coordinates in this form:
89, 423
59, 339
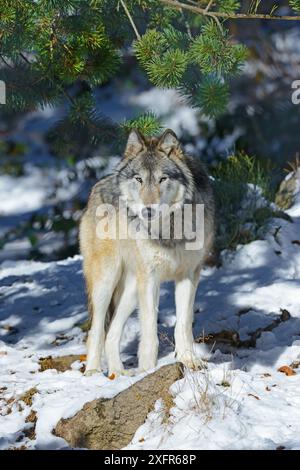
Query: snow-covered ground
249, 309
241, 401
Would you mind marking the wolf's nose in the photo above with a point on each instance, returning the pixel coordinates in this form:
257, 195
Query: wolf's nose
148, 212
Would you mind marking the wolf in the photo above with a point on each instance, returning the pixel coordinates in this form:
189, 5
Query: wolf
125, 272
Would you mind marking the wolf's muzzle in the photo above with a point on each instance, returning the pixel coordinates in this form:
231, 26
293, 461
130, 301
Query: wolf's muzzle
148, 212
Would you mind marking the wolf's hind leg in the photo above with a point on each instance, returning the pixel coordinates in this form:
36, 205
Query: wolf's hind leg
100, 294
127, 303
185, 291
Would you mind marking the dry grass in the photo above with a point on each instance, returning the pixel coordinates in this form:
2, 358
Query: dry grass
210, 398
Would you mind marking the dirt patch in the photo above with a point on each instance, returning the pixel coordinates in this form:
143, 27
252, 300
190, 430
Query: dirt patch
232, 337
27, 396
60, 364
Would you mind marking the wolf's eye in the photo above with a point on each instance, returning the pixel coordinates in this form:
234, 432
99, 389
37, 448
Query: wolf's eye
163, 178
138, 179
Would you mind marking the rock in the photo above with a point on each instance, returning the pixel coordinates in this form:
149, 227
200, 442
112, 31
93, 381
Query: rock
112, 423
285, 195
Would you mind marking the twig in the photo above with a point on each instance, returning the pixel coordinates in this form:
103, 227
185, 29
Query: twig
25, 58
218, 23
209, 5
186, 24
67, 95
130, 19
5, 62
219, 14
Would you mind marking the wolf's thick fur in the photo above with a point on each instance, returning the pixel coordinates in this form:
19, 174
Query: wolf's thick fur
122, 274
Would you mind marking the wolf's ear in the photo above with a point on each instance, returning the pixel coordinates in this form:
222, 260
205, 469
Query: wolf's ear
168, 142
135, 143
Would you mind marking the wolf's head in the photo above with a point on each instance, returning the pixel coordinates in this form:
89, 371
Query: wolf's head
154, 173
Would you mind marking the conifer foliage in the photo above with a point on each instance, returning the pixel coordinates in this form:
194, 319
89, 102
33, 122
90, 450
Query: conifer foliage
295, 5
52, 51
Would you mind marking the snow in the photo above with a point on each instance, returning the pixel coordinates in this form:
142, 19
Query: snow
27, 195
171, 108
38, 192
240, 401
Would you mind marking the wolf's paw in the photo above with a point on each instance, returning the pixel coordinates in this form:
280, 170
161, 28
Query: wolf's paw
114, 373
143, 370
90, 372
146, 364
191, 361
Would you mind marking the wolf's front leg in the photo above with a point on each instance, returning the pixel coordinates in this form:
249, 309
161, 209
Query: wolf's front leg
185, 291
125, 307
101, 295
148, 290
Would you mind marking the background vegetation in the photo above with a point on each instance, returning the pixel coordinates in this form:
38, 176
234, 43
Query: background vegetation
62, 55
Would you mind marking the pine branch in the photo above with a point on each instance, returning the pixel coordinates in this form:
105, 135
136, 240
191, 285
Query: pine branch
218, 14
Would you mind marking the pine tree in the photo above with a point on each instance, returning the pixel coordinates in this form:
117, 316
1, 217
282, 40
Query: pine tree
57, 50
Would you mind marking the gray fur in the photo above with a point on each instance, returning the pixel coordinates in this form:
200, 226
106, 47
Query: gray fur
187, 171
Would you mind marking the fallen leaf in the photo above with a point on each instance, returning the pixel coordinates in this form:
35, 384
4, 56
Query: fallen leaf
268, 389
3, 353
266, 374
287, 370
296, 242
142, 439
82, 357
112, 376
254, 396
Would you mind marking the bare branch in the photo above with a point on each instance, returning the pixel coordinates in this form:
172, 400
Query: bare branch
209, 5
130, 19
25, 58
5, 62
